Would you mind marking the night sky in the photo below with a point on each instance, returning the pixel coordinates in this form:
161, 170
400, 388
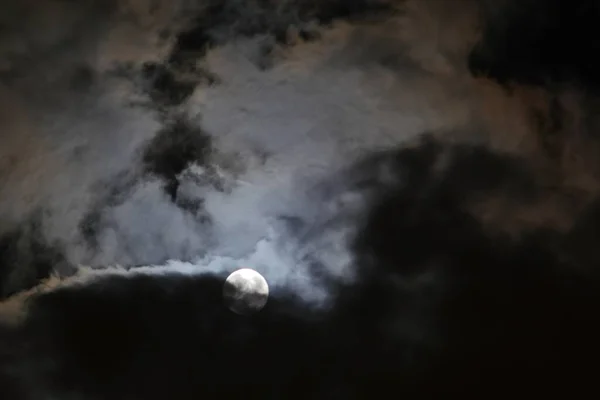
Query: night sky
418, 181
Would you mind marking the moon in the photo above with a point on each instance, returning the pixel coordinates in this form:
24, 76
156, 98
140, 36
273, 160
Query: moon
245, 291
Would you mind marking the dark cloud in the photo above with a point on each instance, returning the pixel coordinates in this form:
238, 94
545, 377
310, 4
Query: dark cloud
173, 149
164, 87
512, 313
26, 258
31, 45
222, 20
546, 47
536, 42
143, 324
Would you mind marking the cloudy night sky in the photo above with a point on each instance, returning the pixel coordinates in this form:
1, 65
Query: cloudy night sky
418, 181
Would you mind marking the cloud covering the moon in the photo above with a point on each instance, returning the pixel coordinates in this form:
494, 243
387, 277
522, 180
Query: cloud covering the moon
417, 182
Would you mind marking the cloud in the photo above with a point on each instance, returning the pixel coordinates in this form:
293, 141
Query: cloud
198, 137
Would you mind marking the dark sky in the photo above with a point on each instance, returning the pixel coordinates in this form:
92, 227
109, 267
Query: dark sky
429, 170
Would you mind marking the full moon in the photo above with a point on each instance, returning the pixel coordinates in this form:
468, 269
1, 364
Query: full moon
245, 291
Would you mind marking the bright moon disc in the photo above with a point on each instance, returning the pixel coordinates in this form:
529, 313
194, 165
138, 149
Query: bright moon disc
245, 291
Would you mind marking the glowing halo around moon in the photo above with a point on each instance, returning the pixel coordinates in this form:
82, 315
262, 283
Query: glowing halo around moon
245, 291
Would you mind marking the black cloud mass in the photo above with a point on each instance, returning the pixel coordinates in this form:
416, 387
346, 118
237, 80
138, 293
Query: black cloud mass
473, 260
